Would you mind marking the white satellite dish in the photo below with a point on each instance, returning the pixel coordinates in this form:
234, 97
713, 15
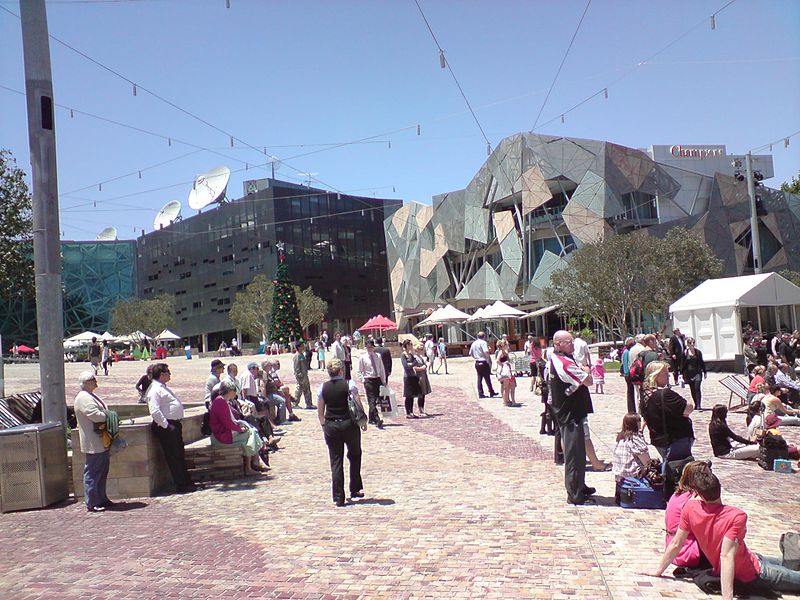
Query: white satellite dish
108, 234
209, 187
168, 214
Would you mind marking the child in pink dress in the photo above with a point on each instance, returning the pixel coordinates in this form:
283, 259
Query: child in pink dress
598, 375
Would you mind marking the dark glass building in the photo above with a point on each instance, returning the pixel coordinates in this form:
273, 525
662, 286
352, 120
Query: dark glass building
334, 243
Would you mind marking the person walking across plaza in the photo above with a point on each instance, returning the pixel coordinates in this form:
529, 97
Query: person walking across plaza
676, 346
430, 351
167, 411
94, 354
91, 412
386, 357
572, 402
441, 354
693, 370
300, 366
348, 357
479, 351
105, 357
340, 431
371, 373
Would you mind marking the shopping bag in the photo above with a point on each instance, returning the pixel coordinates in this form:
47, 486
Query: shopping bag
387, 401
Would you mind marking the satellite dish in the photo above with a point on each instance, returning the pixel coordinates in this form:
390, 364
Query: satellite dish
108, 234
168, 214
209, 187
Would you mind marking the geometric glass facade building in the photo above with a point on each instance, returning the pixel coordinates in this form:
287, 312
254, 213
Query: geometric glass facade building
96, 274
537, 198
333, 243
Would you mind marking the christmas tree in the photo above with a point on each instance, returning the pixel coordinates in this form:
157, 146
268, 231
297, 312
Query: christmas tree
285, 326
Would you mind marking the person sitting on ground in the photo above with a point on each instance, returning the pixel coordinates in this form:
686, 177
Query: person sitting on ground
720, 531
773, 405
783, 380
631, 457
226, 431
755, 419
726, 443
758, 379
689, 555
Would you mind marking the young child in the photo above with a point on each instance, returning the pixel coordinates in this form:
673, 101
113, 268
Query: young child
320, 354
630, 454
599, 376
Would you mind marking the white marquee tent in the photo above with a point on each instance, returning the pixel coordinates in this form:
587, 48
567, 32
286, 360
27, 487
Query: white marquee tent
715, 312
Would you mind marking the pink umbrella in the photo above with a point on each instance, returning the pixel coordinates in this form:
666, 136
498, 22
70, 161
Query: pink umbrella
25, 349
380, 323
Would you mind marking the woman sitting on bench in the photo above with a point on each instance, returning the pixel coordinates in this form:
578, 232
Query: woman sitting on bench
225, 431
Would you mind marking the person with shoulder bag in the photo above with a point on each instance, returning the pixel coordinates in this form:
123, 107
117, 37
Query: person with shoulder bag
340, 430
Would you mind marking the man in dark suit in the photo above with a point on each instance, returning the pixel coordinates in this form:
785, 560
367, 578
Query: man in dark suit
386, 356
676, 347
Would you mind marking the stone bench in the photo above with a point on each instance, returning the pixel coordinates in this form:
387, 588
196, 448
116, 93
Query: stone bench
213, 463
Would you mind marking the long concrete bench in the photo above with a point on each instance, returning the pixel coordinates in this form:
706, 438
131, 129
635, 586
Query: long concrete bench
208, 463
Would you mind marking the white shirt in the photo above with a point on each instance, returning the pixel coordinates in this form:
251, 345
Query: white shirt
248, 384
581, 352
163, 404
371, 366
429, 344
479, 350
338, 350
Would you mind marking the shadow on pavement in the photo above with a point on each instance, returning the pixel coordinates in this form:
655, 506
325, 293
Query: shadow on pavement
242, 484
378, 501
126, 506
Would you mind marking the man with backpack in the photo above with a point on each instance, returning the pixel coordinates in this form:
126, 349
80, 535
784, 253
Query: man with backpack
638, 359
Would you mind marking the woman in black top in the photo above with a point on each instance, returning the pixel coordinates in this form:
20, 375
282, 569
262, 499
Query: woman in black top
412, 371
340, 430
694, 370
666, 414
721, 436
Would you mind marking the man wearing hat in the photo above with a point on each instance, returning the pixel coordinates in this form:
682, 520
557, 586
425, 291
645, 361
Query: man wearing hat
217, 368
300, 366
91, 412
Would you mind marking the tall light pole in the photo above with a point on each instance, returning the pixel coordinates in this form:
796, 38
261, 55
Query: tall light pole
755, 239
46, 243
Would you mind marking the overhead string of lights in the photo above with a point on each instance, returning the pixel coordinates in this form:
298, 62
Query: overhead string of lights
712, 19
784, 140
444, 63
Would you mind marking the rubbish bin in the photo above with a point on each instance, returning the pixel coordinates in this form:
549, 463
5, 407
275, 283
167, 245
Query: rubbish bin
33, 466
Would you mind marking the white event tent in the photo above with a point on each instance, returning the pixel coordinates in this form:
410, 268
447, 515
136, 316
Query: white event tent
715, 312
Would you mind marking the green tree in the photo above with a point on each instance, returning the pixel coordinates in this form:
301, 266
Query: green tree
151, 316
285, 326
16, 230
793, 187
312, 307
793, 276
251, 309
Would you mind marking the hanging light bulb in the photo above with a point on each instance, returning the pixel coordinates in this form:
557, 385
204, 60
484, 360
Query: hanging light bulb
134, 89
419, 130
442, 61
605, 93
231, 141
390, 144
562, 118
770, 147
169, 141
393, 190
488, 149
786, 142
140, 174
246, 166
227, 3
71, 114
713, 22
99, 187
94, 204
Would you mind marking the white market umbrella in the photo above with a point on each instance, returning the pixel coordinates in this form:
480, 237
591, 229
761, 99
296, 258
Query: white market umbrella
83, 338
167, 336
447, 314
478, 315
501, 310
107, 337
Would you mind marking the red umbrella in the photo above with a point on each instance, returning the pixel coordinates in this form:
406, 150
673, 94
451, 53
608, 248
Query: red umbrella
380, 323
25, 349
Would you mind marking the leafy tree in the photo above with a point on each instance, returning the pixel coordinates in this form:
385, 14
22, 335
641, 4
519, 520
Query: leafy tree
793, 187
612, 280
793, 276
286, 326
251, 309
16, 231
150, 316
312, 307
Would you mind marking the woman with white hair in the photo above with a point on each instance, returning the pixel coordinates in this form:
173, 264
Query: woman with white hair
92, 413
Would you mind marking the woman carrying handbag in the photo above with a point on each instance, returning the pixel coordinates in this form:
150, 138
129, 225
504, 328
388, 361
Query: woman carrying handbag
694, 370
413, 371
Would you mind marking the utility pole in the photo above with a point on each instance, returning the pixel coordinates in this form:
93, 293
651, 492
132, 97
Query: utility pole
754, 237
46, 243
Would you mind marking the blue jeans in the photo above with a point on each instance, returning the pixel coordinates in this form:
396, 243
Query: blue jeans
280, 407
778, 577
677, 450
95, 474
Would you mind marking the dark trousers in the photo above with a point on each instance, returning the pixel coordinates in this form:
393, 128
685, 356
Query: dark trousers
676, 365
572, 438
484, 374
372, 388
95, 475
348, 366
171, 441
339, 434
694, 388
631, 395
410, 403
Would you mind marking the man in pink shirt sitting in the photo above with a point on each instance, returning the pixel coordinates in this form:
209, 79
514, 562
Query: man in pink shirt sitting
720, 532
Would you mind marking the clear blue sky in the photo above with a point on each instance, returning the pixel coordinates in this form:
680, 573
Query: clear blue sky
285, 74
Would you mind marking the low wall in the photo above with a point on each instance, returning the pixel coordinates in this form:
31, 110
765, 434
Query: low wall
139, 470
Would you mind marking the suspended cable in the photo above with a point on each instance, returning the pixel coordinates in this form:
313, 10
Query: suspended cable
783, 139
561, 66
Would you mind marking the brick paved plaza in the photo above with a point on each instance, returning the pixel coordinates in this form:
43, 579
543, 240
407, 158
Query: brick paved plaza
464, 504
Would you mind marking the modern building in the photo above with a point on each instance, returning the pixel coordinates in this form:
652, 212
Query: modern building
333, 242
537, 198
96, 275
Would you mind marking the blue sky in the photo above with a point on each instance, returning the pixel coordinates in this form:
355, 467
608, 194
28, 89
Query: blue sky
289, 75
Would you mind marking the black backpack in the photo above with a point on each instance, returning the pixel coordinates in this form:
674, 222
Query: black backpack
772, 447
205, 428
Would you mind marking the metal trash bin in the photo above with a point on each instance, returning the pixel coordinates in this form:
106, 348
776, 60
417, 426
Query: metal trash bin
33, 466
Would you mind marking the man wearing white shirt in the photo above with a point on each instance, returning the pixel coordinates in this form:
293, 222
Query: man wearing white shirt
167, 411
581, 352
372, 373
479, 351
337, 348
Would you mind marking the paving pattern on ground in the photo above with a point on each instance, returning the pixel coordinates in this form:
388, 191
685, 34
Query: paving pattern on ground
464, 504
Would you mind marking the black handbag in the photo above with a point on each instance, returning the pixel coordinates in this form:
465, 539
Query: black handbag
357, 413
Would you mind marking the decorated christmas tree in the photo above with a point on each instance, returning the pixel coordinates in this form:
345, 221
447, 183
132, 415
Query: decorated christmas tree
285, 314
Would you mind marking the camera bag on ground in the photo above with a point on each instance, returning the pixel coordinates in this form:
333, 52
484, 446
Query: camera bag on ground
635, 492
771, 447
